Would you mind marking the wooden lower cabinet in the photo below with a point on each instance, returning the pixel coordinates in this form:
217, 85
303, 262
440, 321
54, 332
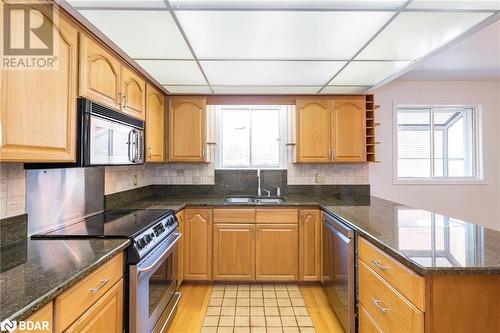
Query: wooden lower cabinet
366, 324
276, 252
106, 315
180, 249
309, 245
42, 319
234, 252
198, 244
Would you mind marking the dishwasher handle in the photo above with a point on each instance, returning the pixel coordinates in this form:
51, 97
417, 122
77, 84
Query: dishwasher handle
338, 226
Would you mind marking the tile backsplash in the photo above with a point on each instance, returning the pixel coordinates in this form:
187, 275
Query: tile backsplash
328, 174
12, 189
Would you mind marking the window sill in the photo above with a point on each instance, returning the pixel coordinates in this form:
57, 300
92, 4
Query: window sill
450, 181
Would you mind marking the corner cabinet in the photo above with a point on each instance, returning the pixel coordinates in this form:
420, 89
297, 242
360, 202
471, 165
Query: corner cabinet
155, 111
38, 107
198, 244
187, 129
331, 130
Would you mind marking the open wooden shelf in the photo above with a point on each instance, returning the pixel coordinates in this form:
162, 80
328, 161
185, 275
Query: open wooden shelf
370, 128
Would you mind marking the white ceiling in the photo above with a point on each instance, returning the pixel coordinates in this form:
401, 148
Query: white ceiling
474, 58
281, 47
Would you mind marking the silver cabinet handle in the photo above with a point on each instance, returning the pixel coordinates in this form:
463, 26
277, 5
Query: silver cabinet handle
125, 97
334, 154
102, 284
149, 151
329, 153
379, 265
378, 304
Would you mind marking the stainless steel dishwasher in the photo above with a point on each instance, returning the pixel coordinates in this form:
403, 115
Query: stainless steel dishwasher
338, 270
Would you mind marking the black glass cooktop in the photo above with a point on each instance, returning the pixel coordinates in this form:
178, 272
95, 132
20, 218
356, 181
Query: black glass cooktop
122, 223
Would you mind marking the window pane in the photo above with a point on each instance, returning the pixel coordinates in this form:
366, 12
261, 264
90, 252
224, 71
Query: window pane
236, 138
438, 153
265, 138
414, 143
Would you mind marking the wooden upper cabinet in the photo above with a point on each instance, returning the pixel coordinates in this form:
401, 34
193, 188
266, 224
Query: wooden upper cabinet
198, 244
133, 93
309, 245
349, 130
234, 252
38, 107
313, 131
187, 129
154, 125
100, 73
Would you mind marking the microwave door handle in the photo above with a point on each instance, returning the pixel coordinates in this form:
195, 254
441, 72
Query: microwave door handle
130, 158
136, 146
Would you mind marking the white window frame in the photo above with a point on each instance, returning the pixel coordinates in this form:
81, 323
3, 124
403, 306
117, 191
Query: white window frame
477, 148
283, 123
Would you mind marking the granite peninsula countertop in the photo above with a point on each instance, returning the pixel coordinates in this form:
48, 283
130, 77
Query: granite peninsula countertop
33, 272
426, 242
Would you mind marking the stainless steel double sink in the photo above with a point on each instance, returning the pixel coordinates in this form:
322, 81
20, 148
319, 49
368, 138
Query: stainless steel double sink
252, 200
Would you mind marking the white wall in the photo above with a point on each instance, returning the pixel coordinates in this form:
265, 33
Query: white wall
479, 204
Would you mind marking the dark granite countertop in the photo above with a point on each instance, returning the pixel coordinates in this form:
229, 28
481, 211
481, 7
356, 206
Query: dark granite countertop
33, 272
426, 242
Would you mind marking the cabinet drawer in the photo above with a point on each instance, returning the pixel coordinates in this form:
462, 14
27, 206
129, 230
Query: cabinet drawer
401, 278
76, 300
391, 311
366, 323
277, 216
234, 215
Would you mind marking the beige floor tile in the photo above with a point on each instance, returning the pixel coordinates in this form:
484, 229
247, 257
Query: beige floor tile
213, 311
307, 330
257, 310
219, 286
304, 321
218, 294
256, 294
211, 321
244, 287
242, 321
280, 287
242, 310
257, 321
273, 321
270, 302
290, 330
225, 330
215, 302
293, 287
284, 302
243, 294
255, 287
268, 287
208, 330
282, 294
241, 330
258, 330
269, 294
226, 321
298, 302
256, 302
230, 294
274, 330
294, 294
271, 311
300, 311
228, 310
288, 321
286, 310
243, 302
231, 287
229, 302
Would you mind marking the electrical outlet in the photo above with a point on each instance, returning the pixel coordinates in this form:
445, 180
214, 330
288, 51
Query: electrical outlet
135, 180
317, 178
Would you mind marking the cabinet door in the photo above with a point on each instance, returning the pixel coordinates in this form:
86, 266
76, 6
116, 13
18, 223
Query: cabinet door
234, 252
99, 73
309, 245
154, 125
105, 315
276, 254
349, 130
187, 129
134, 93
198, 244
313, 131
180, 251
42, 317
38, 107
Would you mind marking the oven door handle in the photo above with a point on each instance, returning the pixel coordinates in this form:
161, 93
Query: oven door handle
160, 257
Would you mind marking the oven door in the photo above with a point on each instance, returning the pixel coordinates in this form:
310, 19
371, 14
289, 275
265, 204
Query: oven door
113, 143
153, 283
